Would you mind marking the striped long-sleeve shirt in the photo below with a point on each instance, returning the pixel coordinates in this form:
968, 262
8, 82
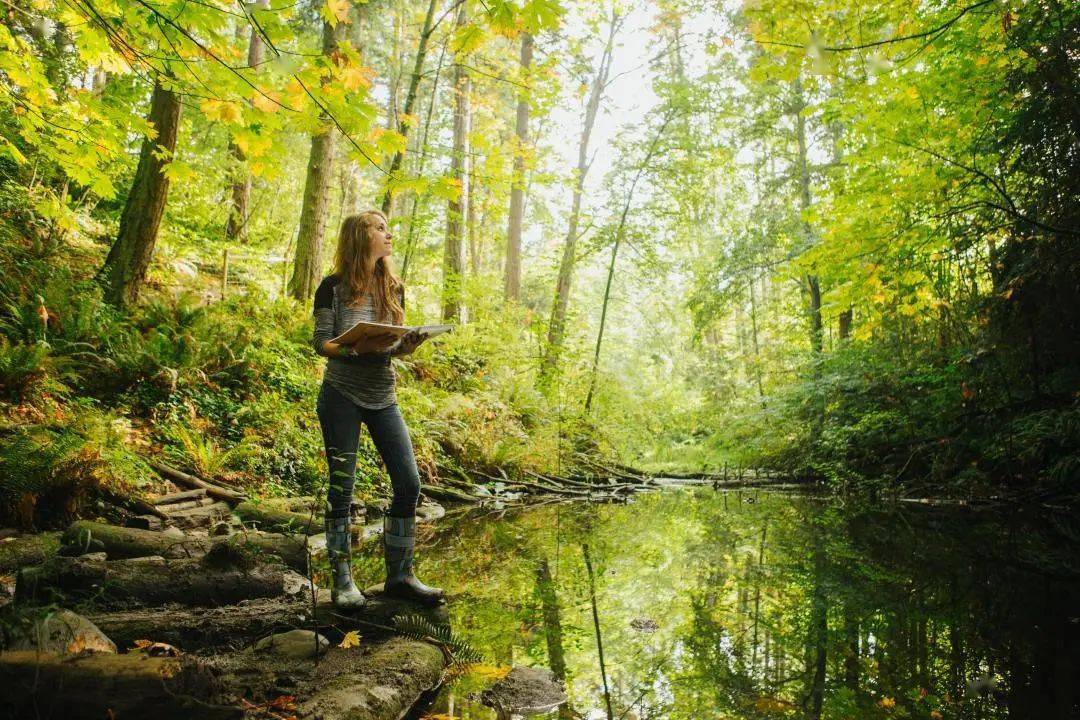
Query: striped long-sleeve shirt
367, 379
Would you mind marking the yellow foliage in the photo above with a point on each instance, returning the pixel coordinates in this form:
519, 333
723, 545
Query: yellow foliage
356, 76
338, 10
221, 110
351, 640
267, 102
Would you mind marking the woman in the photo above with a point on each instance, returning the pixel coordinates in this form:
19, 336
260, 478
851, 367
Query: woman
358, 387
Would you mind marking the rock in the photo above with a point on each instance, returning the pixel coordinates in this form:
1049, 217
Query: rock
525, 691
221, 528
174, 533
296, 644
62, 632
646, 625
429, 512
376, 592
295, 583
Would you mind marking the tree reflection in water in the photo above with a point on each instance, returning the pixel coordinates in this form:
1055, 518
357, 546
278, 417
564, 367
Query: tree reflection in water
761, 605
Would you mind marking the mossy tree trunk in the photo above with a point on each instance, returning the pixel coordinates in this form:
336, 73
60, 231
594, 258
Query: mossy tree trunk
236, 226
124, 272
456, 209
308, 263
512, 284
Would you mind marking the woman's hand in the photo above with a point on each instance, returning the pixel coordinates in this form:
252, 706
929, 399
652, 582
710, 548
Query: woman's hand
383, 342
408, 343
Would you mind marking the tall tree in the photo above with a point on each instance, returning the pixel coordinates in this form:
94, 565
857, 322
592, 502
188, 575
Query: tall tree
620, 234
405, 119
556, 328
236, 226
124, 272
512, 274
308, 262
457, 207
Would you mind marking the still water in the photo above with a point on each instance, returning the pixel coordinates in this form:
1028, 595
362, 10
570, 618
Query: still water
767, 605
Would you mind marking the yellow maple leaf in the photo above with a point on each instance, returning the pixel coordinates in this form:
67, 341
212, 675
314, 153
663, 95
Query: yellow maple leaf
351, 640
356, 77
339, 9
267, 102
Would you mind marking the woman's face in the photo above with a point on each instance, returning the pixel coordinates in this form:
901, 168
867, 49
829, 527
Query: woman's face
379, 236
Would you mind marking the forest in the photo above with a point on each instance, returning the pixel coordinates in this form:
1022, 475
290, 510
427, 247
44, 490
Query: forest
731, 246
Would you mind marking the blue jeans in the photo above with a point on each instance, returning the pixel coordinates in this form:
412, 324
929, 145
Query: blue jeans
340, 419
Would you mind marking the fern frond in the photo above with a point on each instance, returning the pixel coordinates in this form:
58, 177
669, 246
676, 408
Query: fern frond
419, 627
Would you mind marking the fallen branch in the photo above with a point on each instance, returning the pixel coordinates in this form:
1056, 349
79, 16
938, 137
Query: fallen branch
190, 481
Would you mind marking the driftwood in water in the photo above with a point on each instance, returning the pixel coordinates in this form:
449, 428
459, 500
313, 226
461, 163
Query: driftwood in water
271, 519
121, 543
237, 626
447, 494
190, 481
213, 580
98, 685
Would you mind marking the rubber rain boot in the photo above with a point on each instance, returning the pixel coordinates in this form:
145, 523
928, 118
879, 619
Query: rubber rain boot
343, 591
399, 542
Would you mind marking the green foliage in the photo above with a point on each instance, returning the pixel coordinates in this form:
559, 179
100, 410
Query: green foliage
49, 473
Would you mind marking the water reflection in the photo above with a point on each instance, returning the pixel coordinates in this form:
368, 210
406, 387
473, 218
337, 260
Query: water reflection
756, 605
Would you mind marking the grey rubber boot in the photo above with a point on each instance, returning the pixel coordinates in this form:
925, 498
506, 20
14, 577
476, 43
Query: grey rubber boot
343, 591
399, 542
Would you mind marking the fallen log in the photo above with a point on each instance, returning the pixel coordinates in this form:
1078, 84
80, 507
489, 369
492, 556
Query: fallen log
383, 682
149, 581
200, 516
268, 518
190, 481
23, 550
171, 508
447, 494
237, 626
180, 496
120, 543
98, 685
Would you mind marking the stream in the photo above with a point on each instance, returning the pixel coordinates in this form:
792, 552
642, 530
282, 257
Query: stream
751, 604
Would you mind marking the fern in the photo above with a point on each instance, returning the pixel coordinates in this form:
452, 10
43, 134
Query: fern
418, 627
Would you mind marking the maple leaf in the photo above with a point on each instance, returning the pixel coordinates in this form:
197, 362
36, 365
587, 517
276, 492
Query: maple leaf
351, 640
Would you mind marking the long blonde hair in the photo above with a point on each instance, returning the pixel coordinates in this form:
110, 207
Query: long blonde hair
358, 275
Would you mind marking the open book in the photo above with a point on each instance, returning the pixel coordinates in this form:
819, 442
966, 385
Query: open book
363, 330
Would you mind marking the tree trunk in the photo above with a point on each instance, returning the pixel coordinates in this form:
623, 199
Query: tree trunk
818, 632
512, 274
844, 329
124, 272
456, 209
620, 234
471, 232
149, 581
556, 328
410, 100
418, 200
236, 227
308, 261
98, 685
123, 543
